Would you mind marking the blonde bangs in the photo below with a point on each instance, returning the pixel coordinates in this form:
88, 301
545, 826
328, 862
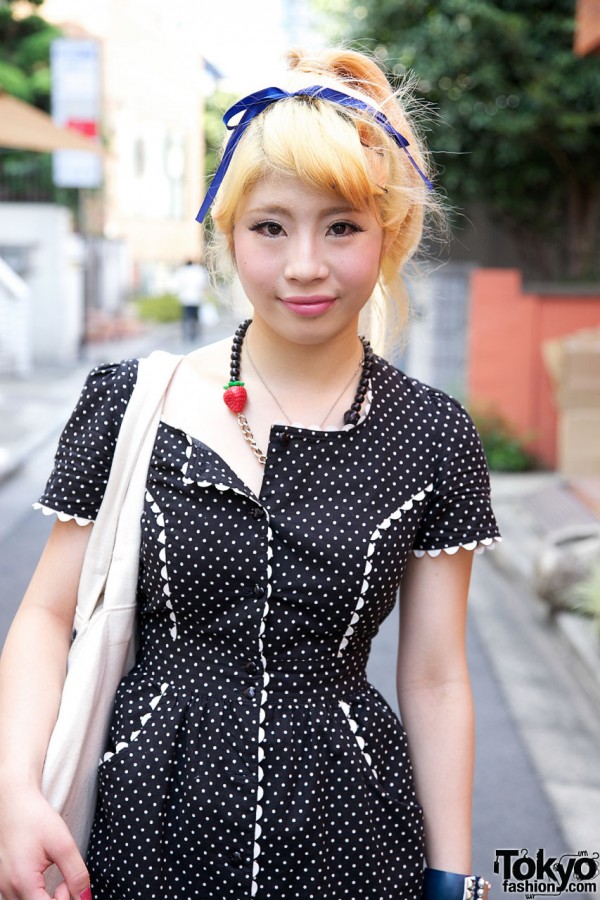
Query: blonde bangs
325, 151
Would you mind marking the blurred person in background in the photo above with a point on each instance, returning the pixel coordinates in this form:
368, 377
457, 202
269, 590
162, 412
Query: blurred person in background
190, 282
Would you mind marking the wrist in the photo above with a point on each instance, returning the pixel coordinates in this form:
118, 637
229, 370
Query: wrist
15, 779
439, 885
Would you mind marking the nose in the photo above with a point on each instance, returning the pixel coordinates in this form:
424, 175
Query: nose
306, 261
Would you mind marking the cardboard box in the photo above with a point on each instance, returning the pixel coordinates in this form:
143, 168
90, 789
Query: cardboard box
574, 366
579, 441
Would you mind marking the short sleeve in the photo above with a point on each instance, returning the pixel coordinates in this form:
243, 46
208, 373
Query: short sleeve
86, 447
459, 512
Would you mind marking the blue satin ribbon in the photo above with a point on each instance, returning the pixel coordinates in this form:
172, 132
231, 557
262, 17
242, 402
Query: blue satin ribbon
254, 104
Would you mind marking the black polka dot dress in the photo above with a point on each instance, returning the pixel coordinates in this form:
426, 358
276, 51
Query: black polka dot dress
248, 755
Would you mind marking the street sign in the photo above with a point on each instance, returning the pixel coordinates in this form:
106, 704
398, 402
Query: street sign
75, 66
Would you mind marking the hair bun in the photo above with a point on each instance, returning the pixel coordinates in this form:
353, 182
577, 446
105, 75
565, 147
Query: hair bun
348, 67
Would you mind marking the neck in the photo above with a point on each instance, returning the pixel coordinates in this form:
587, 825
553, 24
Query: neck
297, 391
283, 362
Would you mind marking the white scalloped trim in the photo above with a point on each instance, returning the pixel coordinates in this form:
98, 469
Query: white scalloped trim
215, 484
61, 516
261, 719
164, 572
345, 707
188, 456
397, 514
478, 547
122, 745
266, 677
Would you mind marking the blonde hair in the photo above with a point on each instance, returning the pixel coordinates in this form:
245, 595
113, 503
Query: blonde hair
327, 146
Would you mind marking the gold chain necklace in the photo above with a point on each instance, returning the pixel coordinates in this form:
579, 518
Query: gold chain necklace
236, 396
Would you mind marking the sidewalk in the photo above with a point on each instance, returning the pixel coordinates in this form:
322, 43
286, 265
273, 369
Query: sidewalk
529, 508
547, 663
34, 409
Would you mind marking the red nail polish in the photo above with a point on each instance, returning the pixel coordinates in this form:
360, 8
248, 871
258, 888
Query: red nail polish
86, 895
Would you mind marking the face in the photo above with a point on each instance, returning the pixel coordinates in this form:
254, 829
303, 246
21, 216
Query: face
307, 261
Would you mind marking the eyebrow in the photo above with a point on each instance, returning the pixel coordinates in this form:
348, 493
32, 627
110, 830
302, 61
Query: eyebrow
277, 210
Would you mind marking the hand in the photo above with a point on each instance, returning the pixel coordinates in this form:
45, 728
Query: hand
32, 837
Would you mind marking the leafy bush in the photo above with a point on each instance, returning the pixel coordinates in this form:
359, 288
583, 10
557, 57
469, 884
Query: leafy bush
513, 100
586, 595
505, 451
162, 308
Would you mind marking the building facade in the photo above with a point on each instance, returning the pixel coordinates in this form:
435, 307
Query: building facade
152, 114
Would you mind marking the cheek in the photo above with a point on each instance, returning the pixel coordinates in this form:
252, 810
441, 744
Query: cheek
363, 267
255, 265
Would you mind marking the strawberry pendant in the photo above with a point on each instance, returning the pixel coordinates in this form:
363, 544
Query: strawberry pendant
235, 396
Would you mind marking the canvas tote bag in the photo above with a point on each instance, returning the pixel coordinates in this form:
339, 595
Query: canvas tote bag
103, 647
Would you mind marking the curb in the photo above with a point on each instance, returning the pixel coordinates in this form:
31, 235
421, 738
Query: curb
576, 632
44, 419
582, 640
10, 464
516, 556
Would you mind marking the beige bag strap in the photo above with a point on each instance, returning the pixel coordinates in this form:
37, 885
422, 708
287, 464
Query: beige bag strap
126, 481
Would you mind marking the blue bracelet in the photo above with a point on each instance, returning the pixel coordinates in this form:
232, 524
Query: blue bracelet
438, 885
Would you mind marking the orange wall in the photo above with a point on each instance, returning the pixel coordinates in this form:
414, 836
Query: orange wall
506, 369
587, 27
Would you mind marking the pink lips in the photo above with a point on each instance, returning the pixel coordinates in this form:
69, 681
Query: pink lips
314, 305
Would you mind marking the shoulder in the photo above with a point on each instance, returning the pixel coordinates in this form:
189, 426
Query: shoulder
407, 395
103, 400
86, 446
109, 385
440, 441
117, 377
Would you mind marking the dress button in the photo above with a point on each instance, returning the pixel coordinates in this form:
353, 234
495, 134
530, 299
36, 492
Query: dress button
237, 858
250, 693
284, 438
258, 591
241, 778
251, 668
258, 513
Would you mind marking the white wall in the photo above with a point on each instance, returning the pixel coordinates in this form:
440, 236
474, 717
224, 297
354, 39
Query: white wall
436, 351
15, 323
152, 121
53, 273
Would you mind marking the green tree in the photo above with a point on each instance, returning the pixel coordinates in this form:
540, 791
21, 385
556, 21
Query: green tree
25, 40
519, 122
214, 129
214, 132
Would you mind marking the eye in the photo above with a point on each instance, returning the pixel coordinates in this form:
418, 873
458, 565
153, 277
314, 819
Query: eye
267, 228
342, 229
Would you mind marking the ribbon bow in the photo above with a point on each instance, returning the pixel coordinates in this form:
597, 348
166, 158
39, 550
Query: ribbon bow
254, 104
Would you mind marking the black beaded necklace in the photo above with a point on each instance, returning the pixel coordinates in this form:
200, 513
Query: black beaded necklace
236, 396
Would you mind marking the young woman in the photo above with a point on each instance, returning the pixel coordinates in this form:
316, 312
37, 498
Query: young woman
248, 755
